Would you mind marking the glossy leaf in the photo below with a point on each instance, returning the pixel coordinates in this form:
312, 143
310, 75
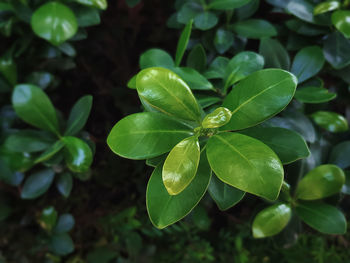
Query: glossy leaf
254, 28
79, 115
340, 155
146, 135
223, 40
77, 153
271, 220
50, 152
61, 244
341, 20
156, 58
324, 218
258, 97
34, 107
164, 209
183, 42
181, 165
227, 4
301, 9
101, 4
224, 195
64, 224
217, 118
205, 20
246, 164
307, 63
321, 182
314, 95
194, 79
330, 121
326, 6
167, 92
64, 184
37, 184
275, 55
54, 22
48, 218
336, 50
27, 141
197, 59
242, 65
287, 144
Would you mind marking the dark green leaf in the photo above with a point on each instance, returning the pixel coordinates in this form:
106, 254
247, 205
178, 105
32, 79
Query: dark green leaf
288, 145
254, 28
246, 164
156, 58
61, 244
64, 184
8, 69
87, 16
164, 209
224, 195
183, 42
341, 20
28, 141
226, 4
314, 95
146, 135
274, 53
258, 97
193, 78
340, 155
50, 152
48, 218
41, 79
79, 115
223, 40
271, 220
323, 217
34, 107
197, 58
205, 20
336, 50
64, 224
102, 4
302, 9
54, 22
37, 184
330, 121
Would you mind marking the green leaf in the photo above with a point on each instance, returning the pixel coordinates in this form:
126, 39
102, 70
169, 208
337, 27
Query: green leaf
340, 155
156, 58
180, 167
155, 161
28, 141
197, 58
275, 55
314, 95
224, 195
217, 68
246, 164
41, 79
188, 11
288, 145
242, 65
64, 224
323, 181
205, 20
307, 63
50, 152
304, 28
146, 135
61, 244
64, 184
302, 9
132, 3
8, 69
164, 209
227, 4
87, 16
183, 42
194, 79
323, 217
341, 20
37, 184
77, 153
101, 4
48, 218
206, 101
258, 97
326, 6
217, 118
79, 115
54, 22
223, 40
165, 91
132, 82
336, 50
271, 220
254, 28
330, 121
33, 106
346, 187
